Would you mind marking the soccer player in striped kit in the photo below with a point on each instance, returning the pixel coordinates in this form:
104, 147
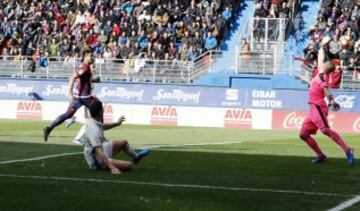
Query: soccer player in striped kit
78, 97
317, 116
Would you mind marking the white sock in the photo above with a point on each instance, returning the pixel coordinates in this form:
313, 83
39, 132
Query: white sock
70, 119
86, 113
130, 152
80, 133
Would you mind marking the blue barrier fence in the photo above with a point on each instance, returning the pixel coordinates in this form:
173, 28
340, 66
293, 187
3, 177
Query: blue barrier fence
175, 95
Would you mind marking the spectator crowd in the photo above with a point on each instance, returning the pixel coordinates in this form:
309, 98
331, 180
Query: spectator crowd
336, 34
274, 8
122, 29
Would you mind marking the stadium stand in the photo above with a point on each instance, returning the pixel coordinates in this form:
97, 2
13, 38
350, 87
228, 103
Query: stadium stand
337, 22
298, 38
274, 9
224, 60
113, 29
142, 41
175, 41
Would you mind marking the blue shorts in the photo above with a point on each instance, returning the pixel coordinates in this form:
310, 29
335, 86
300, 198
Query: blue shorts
78, 102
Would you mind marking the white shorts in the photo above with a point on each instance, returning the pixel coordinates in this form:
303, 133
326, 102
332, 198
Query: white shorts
108, 149
96, 163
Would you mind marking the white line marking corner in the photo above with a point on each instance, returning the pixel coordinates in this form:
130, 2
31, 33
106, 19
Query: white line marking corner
346, 204
40, 158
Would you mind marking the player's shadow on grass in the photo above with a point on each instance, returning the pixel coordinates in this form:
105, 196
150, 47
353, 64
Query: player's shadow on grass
184, 167
172, 166
175, 166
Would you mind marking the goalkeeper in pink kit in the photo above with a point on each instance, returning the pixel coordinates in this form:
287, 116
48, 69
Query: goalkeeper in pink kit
317, 116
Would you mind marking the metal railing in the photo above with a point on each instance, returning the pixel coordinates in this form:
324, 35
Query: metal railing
260, 47
136, 70
264, 34
130, 70
265, 63
305, 73
256, 62
171, 71
350, 77
204, 63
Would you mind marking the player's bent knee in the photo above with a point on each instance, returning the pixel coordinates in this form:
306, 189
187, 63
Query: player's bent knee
120, 142
304, 135
124, 142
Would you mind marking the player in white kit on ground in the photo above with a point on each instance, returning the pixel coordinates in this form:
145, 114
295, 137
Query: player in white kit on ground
99, 152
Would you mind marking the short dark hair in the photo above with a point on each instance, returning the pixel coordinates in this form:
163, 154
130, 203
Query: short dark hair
95, 108
86, 52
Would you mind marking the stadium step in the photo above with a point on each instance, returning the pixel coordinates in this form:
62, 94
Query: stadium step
309, 10
226, 63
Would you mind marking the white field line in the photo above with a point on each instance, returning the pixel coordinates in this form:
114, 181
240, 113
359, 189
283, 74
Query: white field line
169, 185
75, 153
40, 158
346, 204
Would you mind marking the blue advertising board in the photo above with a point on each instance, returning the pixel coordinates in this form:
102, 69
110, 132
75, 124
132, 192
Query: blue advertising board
157, 94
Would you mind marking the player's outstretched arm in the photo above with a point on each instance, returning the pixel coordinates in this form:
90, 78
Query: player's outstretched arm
71, 86
115, 124
321, 58
100, 154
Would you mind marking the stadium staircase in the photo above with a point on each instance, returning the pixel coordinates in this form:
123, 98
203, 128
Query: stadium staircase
309, 10
226, 62
222, 71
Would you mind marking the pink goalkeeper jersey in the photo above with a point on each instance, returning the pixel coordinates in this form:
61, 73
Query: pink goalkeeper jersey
316, 92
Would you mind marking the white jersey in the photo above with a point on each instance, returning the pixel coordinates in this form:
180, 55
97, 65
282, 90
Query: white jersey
93, 137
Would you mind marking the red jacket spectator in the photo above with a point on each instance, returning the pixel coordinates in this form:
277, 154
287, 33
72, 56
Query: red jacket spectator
155, 37
277, 2
116, 28
61, 19
92, 39
88, 26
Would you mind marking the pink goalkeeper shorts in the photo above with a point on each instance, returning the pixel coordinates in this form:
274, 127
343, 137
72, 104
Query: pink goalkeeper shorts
316, 119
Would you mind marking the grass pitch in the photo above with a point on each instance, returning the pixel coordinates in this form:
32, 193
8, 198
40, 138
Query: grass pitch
189, 169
